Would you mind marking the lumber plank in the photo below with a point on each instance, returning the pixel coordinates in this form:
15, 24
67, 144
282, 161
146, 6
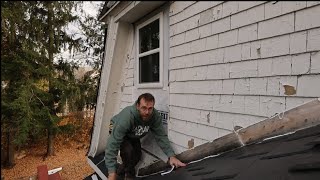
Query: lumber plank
300, 117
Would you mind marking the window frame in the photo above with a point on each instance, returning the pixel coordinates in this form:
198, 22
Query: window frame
150, 52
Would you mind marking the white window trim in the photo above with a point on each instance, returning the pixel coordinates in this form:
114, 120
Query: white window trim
160, 50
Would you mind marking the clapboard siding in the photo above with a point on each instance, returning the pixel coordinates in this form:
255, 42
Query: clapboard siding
236, 63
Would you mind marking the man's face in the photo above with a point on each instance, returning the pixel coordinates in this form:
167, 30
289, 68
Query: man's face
145, 109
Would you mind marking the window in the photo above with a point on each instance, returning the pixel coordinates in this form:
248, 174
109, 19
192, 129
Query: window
149, 53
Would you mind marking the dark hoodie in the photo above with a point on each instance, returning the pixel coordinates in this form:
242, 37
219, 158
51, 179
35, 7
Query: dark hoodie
129, 123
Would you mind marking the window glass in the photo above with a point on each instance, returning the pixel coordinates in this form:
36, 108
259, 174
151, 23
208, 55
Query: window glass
149, 68
149, 37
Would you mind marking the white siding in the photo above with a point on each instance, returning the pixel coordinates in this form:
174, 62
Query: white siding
231, 63
127, 85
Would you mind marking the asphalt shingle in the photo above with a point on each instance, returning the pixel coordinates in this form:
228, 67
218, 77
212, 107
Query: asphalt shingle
293, 156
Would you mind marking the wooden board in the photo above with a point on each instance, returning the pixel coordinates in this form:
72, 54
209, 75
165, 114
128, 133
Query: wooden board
301, 117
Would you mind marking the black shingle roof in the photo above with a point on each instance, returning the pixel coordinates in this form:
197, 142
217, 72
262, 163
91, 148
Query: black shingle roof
290, 157
293, 156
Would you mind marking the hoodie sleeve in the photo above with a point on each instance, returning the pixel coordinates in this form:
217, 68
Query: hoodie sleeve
120, 128
161, 136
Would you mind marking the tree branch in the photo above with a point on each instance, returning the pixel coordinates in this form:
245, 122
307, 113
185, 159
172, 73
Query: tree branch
37, 97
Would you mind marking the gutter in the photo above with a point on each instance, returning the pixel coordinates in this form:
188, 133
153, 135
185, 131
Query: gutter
102, 17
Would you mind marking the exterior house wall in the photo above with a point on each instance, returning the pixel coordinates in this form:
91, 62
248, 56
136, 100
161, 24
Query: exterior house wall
236, 63
226, 64
117, 84
130, 91
126, 85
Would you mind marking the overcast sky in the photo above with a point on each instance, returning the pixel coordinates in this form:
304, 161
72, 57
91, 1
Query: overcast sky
91, 8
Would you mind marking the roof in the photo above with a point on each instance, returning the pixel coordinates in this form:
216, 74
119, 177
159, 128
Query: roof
104, 9
292, 156
107, 5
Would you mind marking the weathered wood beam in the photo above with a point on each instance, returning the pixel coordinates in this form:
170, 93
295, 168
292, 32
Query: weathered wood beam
300, 117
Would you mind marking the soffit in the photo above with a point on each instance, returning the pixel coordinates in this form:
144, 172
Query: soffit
137, 10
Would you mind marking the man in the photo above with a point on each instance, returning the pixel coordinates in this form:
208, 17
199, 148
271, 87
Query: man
132, 123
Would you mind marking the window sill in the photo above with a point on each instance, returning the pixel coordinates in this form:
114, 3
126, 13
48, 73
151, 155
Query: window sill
149, 85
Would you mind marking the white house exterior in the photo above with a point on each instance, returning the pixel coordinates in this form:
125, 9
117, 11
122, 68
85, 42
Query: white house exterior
214, 64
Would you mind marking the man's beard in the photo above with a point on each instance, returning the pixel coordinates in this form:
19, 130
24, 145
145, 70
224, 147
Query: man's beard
145, 118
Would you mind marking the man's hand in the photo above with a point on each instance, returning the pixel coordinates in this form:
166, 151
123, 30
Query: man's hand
173, 161
112, 176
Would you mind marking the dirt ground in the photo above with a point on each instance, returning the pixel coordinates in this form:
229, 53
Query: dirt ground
70, 154
73, 162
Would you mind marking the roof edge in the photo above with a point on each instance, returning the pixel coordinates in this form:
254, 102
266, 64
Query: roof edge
107, 8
